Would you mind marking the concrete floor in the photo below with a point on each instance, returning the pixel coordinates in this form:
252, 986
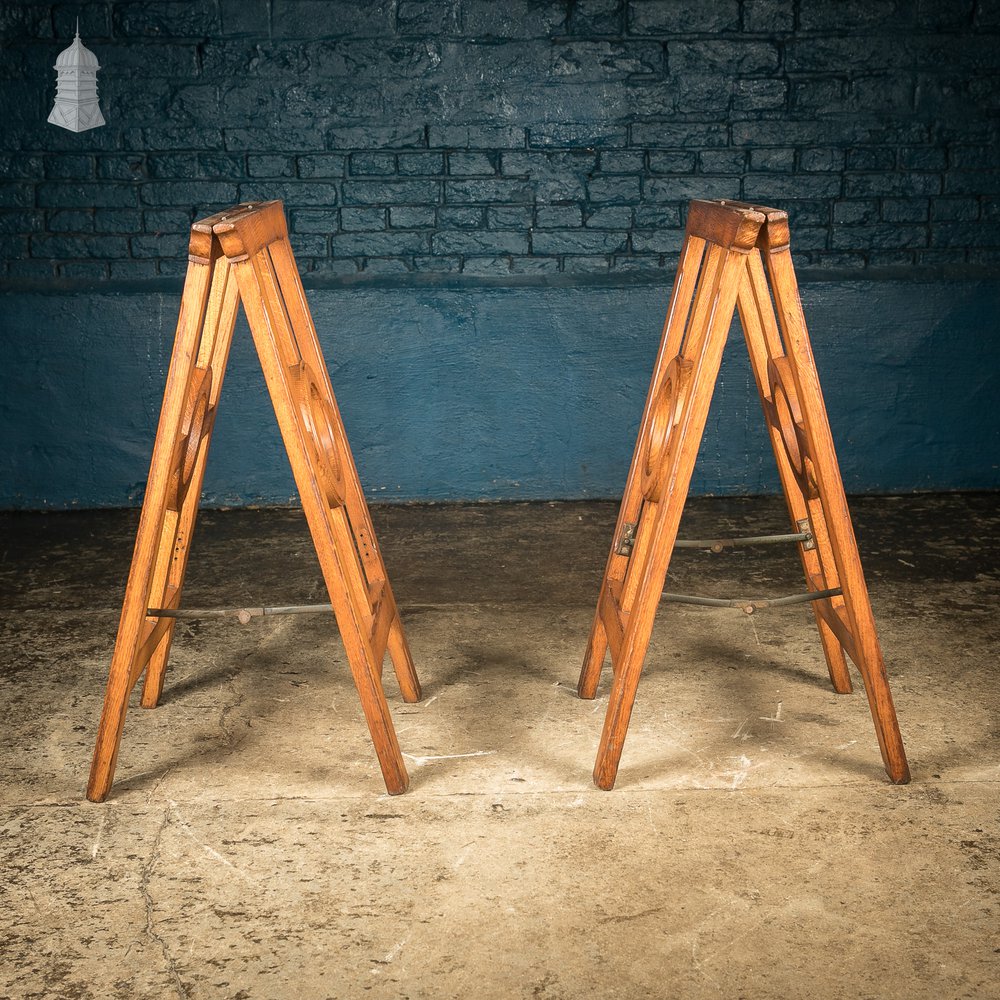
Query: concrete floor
752, 848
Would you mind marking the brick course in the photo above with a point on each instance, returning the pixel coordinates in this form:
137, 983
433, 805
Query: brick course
529, 137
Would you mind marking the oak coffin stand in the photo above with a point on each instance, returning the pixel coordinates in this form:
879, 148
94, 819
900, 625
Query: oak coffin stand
243, 254
734, 255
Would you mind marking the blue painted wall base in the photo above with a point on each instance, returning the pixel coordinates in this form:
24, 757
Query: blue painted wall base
497, 393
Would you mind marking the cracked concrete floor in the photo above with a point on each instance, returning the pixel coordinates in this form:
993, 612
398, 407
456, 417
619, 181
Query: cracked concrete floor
752, 848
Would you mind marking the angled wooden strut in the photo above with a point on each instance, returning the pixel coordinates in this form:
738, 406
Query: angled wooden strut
722, 266
244, 255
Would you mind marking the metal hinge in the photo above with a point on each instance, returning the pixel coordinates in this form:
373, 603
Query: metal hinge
806, 529
627, 540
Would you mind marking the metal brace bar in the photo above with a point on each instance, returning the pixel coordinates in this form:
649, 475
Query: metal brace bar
243, 614
750, 605
803, 535
718, 544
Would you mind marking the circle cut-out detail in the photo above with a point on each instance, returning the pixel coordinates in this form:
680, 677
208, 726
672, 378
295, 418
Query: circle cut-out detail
319, 423
788, 419
668, 406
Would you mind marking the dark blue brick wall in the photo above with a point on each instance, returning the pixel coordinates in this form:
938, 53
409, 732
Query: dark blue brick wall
487, 198
516, 138
497, 392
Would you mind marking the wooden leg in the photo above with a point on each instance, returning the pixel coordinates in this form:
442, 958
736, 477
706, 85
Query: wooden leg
171, 565
130, 656
620, 702
324, 471
763, 339
836, 662
884, 716
287, 279
671, 337
171, 562
593, 661
152, 685
213, 356
110, 728
379, 719
818, 442
402, 663
139, 638
664, 465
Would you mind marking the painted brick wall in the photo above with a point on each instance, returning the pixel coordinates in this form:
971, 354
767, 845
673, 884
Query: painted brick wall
487, 197
505, 139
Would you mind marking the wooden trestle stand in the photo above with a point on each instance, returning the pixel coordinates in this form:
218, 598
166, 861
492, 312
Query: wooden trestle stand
723, 265
244, 255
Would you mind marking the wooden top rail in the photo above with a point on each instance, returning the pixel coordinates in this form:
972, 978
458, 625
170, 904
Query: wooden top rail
738, 225
774, 233
726, 224
257, 223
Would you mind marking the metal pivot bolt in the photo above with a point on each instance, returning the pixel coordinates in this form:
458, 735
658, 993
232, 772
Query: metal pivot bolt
627, 540
806, 528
